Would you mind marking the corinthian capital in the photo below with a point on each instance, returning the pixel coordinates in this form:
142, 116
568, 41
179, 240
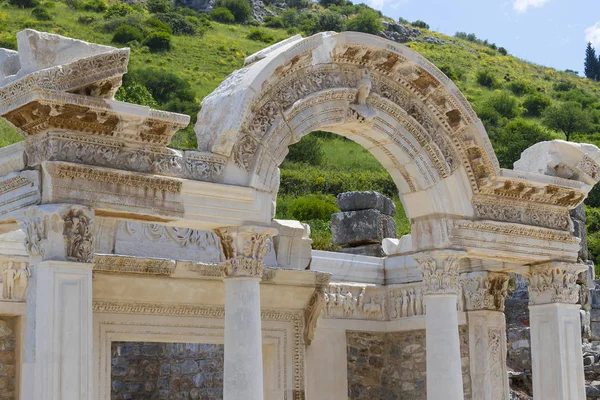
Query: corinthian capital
554, 282
244, 249
440, 271
484, 290
61, 232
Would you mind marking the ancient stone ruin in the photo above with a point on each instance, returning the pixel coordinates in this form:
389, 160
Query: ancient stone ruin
128, 266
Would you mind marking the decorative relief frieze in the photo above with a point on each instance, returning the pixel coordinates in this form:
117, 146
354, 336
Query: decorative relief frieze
554, 283
590, 167
208, 270
73, 171
14, 276
522, 213
518, 231
244, 249
527, 191
353, 301
111, 153
484, 290
406, 301
133, 265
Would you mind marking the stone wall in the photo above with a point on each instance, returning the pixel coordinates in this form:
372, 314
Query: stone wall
386, 366
8, 361
166, 371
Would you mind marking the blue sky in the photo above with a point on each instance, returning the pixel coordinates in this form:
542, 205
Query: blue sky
553, 33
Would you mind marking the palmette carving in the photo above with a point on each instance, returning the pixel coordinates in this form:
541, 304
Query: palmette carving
554, 283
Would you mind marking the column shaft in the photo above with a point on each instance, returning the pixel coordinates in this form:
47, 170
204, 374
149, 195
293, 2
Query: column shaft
557, 361
444, 370
243, 375
58, 339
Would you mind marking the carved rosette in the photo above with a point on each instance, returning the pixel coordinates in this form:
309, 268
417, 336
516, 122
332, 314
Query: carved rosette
484, 290
440, 272
554, 283
58, 232
244, 249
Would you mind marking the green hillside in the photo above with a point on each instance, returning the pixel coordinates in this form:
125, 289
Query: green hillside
178, 56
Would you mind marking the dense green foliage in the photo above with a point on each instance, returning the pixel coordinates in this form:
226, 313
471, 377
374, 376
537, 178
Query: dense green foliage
182, 55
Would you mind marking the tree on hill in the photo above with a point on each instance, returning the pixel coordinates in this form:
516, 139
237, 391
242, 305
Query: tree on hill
367, 21
591, 63
568, 118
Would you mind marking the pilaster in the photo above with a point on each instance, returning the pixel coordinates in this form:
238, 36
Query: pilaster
484, 294
440, 293
556, 354
243, 249
58, 340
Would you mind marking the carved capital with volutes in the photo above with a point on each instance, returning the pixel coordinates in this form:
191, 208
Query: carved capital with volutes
440, 271
60, 232
244, 249
484, 290
554, 282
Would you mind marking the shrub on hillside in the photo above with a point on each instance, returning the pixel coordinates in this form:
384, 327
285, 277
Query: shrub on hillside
289, 17
298, 3
8, 41
308, 150
157, 25
94, 5
86, 19
260, 36
24, 3
163, 85
179, 24
503, 51
240, 9
274, 22
519, 88
580, 96
160, 6
568, 118
126, 33
135, 19
332, 21
136, 93
366, 21
327, 3
505, 104
41, 13
313, 206
222, 15
487, 79
308, 22
118, 10
517, 136
535, 104
563, 86
158, 41
451, 73
420, 24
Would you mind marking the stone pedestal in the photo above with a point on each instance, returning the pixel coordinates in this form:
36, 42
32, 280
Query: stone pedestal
440, 289
484, 294
244, 249
557, 359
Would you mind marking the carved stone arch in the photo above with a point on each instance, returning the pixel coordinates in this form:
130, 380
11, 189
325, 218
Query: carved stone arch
382, 95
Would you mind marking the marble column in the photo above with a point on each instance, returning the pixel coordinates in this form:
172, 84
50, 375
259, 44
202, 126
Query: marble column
57, 363
484, 293
243, 249
440, 295
556, 355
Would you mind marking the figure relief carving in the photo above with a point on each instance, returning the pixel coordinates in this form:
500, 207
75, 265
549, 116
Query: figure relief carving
406, 301
15, 276
244, 249
484, 290
440, 273
351, 301
554, 283
78, 235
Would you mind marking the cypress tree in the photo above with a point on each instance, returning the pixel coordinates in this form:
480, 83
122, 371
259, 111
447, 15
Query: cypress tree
591, 63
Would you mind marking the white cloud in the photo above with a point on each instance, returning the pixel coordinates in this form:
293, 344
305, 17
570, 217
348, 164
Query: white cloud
522, 5
592, 34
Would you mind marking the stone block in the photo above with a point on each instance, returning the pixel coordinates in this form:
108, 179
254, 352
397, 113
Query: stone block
293, 246
372, 250
356, 228
356, 201
580, 232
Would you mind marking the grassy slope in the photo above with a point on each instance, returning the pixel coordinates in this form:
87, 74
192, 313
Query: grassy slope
205, 61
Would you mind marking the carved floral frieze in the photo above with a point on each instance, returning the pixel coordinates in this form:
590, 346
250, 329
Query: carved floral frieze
133, 265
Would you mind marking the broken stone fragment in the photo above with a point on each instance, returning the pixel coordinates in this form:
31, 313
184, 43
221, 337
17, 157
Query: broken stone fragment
355, 228
356, 201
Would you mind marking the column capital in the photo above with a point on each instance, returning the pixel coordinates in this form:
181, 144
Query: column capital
440, 271
554, 282
244, 249
60, 232
484, 290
